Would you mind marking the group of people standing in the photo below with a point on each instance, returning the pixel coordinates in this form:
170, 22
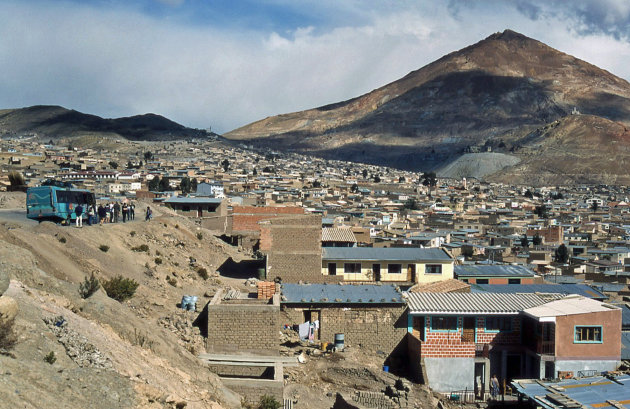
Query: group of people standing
104, 213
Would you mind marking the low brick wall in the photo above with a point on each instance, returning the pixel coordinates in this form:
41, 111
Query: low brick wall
250, 328
242, 371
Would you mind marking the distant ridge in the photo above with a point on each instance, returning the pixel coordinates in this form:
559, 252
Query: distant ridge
50, 121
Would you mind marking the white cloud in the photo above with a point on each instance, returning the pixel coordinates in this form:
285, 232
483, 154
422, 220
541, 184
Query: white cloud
120, 62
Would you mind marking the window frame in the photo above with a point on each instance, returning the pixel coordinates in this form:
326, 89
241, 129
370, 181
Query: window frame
485, 281
346, 269
595, 341
429, 267
449, 328
499, 320
389, 268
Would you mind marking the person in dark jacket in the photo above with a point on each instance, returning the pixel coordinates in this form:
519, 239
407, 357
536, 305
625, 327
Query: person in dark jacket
102, 214
78, 211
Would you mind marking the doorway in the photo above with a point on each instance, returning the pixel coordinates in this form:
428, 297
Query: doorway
513, 368
411, 273
480, 380
376, 269
312, 316
550, 370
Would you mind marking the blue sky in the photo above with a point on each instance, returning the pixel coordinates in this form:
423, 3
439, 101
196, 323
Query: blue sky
224, 64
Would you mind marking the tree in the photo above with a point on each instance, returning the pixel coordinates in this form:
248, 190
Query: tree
193, 185
537, 240
401, 179
154, 184
594, 205
185, 185
254, 172
317, 183
377, 179
225, 164
364, 173
562, 254
148, 156
411, 204
541, 211
164, 185
354, 188
113, 165
16, 179
528, 193
524, 241
429, 179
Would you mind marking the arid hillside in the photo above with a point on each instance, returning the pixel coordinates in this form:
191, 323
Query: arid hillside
138, 353
493, 95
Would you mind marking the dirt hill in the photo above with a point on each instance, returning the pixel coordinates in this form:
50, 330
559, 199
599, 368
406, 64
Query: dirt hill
55, 121
492, 94
140, 353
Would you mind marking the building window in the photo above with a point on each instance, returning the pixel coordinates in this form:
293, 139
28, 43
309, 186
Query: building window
444, 323
332, 269
394, 268
497, 324
481, 281
514, 280
433, 269
588, 334
352, 268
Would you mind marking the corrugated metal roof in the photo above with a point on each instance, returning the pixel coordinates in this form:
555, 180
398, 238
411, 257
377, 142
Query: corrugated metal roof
580, 289
338, 234
340, 294
568, 306
492, 270
384, 253
590, 392
474, 303
191, 200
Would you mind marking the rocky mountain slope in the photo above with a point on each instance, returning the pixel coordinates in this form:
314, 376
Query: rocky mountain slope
55, 121
494, 95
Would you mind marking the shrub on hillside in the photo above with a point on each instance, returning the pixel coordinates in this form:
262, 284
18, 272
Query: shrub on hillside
89, 286
142, 247
200, 235
8, 338
62, 240
120, 288
104, 248
50, 358
158, 260
202, 272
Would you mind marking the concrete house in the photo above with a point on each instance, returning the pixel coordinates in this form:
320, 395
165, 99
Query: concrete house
408, 265
574, 336
197, 206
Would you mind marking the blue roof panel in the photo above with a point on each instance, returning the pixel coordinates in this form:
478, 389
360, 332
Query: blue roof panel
580, 289
492, 270
340, 293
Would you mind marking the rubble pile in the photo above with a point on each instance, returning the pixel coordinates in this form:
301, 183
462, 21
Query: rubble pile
77, 346
181, 323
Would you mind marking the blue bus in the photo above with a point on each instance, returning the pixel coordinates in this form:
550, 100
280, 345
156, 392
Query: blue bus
56, 202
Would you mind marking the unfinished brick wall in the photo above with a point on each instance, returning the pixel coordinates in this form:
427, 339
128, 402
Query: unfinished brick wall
251, 328
376, 328
253, 389
295, 250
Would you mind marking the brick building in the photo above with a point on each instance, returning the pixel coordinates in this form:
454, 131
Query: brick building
550, 235
371, 317
459, 339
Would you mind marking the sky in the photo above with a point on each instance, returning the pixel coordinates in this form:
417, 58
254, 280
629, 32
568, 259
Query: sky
226, 63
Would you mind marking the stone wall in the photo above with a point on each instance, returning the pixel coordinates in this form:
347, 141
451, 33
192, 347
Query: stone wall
251, 328
374, 328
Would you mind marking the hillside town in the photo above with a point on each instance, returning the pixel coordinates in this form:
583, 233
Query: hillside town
478, 291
